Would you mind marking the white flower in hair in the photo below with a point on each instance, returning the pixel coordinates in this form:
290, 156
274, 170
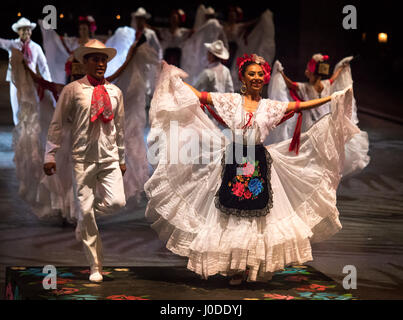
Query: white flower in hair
318, 57
258, 59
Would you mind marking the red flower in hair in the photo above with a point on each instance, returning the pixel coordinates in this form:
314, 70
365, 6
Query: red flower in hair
256, 59
90, 20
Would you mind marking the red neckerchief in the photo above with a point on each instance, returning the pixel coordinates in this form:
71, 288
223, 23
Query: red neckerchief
26, 51
101, 105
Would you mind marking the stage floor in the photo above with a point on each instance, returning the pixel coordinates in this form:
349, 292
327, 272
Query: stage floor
169, 283
370, 204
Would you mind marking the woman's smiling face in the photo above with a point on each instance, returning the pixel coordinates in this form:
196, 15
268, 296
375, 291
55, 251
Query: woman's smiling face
254, 77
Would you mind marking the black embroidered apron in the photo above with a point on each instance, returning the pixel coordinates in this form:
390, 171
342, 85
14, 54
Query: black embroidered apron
245, 188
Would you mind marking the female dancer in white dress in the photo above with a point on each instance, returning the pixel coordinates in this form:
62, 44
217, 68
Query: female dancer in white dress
187, 193
249, 36
59, 49
173, 37
283, 89
207, 29
129, 77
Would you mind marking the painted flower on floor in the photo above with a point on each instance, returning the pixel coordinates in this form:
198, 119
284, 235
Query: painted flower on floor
294, 270
63, 291
275, 296
325, 296
314, 287
125, 297
296, 278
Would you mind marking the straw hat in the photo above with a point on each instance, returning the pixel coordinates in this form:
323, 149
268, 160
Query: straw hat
218, 49
94, 46
23, 22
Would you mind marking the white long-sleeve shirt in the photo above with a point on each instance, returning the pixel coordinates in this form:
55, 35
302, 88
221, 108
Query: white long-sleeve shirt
91, 141
38, 57
215, 78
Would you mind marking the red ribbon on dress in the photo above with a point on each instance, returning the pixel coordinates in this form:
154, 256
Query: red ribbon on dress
295, 142
204, 105
26, 51
250, 114
101, 105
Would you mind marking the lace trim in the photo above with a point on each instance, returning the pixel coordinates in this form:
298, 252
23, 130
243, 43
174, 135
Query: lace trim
248, 213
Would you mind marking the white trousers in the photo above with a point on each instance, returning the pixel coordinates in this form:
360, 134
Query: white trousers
88, 177
14, 102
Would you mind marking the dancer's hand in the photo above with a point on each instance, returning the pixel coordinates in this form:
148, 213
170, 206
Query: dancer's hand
49, 168
123, 169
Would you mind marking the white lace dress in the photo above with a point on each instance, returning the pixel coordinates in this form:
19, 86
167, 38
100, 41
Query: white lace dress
182, 196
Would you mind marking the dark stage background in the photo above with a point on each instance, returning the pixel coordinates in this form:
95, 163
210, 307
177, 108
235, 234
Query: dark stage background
303, 27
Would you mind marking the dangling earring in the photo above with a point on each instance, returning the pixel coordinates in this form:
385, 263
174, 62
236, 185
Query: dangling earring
243, 88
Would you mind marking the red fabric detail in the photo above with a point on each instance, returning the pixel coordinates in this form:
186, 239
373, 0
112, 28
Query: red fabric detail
64, 45
26, 51
68, 67
331, 81
203, 98
312, 65
43, 84
212, 112
101, 105
295, 142
250, 114
139, 33
294, 94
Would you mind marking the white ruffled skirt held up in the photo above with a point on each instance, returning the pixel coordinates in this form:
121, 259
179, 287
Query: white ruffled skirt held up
181, 196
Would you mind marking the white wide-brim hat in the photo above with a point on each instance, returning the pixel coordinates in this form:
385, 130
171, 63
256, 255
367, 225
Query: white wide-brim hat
141, 13
210, 11
94, 46
218, 49
23, 22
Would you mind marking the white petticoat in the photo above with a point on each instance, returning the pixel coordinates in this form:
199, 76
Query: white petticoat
181, 197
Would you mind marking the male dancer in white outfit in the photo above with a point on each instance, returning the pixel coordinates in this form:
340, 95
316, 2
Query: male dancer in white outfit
95, 109
216, 77
33, 55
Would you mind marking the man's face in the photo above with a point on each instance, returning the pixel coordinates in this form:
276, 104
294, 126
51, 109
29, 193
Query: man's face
25, 33
141, 22
96, 64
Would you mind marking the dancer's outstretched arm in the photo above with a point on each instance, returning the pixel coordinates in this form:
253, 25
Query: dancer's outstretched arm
289, 83
129, 56
199, 95
310, 104
337, 72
